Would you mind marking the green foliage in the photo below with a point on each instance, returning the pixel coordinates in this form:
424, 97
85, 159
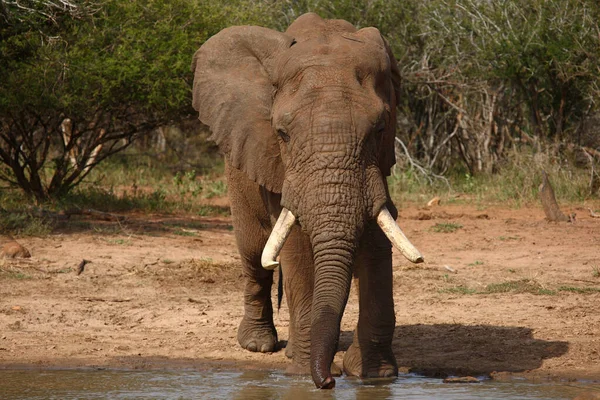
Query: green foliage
509, 238
579, 290
187, 184
476, 263
18, 217
12, 274
182, 232
134, 53
544, 50
516, 182
519, 286
459, 290
216, 188
209, 210
446, 227
24, 224
118, 242
116, 69
479, 80
126, 182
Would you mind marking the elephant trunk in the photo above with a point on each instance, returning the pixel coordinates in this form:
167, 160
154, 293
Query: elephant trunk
333, 212
334, 256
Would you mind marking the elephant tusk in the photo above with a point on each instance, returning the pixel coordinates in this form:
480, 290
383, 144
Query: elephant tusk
396, 236
280, 232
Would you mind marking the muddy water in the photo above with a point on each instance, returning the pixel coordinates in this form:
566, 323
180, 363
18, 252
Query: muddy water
111, 384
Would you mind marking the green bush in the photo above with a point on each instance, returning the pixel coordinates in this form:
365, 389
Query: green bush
481, 81
116, 70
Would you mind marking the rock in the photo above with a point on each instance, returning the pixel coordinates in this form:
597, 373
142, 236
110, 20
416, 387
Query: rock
16, 326
462, 379
12, 249
593, 214
449, 268
434, 202
421, 216
81, 266
502, 376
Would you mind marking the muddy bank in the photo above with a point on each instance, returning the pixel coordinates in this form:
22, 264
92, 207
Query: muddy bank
502, 292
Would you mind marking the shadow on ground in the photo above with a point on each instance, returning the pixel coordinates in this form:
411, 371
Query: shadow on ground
442, 350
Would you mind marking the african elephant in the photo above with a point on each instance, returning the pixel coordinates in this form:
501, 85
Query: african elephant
305, 120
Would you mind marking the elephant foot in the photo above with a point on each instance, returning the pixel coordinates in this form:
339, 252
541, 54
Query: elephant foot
289, 353
379, 363
257, 337
304, 369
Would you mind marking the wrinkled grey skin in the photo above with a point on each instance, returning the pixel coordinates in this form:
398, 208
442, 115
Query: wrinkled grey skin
305, 120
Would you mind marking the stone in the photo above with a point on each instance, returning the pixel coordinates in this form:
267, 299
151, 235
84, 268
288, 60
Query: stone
462, 379
12, 249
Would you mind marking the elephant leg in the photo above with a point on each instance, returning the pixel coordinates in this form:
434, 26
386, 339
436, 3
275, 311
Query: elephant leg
370, 354
252, 225
298, 277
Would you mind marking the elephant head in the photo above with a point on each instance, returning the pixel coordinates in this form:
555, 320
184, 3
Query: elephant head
311, 114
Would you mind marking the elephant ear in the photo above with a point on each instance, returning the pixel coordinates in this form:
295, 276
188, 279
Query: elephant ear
233, 94
387, 152
387, 156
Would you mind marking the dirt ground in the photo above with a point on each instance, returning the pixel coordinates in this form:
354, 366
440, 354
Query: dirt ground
506, 293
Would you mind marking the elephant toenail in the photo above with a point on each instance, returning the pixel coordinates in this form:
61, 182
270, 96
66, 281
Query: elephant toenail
252, 346
265, 348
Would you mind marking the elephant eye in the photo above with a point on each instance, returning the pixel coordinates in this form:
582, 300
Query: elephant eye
380, 126
283, 135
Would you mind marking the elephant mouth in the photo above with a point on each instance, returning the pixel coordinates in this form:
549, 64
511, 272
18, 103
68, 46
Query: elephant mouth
286, 221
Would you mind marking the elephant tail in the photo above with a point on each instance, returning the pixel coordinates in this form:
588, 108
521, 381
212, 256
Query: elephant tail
280, 289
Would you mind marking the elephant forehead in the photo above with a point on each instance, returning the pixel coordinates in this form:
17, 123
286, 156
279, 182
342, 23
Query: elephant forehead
346, 52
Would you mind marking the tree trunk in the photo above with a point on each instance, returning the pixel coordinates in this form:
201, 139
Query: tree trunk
549, 203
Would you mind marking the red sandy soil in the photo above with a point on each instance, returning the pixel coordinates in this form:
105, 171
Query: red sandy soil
506, 293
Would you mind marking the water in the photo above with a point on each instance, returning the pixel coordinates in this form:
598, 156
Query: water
115, 384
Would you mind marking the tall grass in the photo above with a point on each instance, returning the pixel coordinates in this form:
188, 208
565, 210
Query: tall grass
141, 183
515, 184
126, 182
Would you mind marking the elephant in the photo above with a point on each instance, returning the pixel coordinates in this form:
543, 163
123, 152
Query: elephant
305, 120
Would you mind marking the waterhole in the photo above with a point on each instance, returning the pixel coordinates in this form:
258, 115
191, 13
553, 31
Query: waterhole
250, 385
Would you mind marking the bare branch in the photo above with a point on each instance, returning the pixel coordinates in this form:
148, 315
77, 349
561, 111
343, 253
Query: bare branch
415, 165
